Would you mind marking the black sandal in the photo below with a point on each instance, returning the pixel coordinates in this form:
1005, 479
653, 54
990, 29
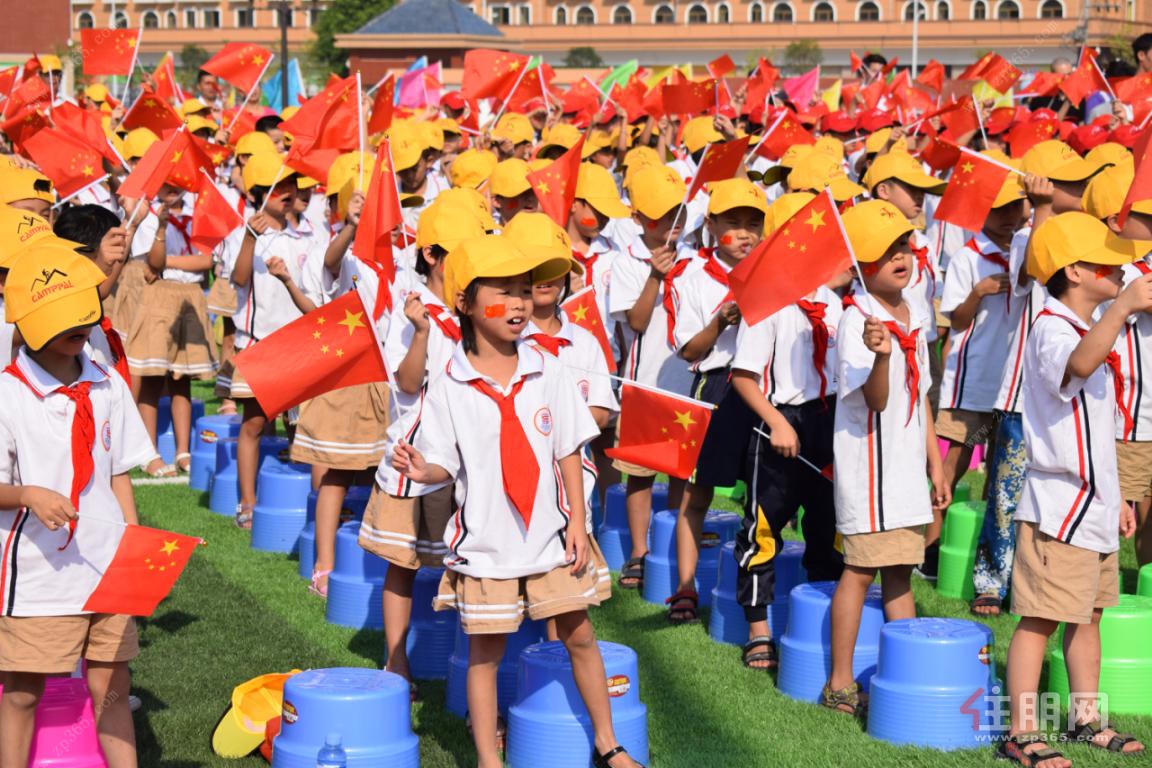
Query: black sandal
601, 760
633, 570
751, 655
986, 601
676, 605
845, 697
1012, 749
1087, 733
501, 730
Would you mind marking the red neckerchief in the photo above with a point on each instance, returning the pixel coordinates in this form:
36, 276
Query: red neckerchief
997, 258
715, 270
1113, 363
1142, 267
183, 225
518, 465
553, 344
83, 438
814, 311
116, 345
447, 324
669, 301
907, 343
588, 261
923, 263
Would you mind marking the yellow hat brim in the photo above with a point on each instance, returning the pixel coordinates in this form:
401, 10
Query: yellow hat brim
77, 310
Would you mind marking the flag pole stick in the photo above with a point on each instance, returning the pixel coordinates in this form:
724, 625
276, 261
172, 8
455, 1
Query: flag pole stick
132, 68
764, 434
1104, 80
848, 243
979, 120
504, 104
360, 131
248, 95
765, 136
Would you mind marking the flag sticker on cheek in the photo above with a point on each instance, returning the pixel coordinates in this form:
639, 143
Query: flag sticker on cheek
1103, 272
587, 221
726, 239
495, 310
869, 270
652, 225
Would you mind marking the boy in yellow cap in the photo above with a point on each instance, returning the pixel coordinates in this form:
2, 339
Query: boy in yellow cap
511, 192
1071, 514
71, 435
882, 500
26, 189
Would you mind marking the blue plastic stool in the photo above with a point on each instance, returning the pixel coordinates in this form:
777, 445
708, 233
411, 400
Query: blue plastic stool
354, 503
726, 623
613, 535
270, 449
507, 676
209, 430
431, 634
165, 437
594, 510
790, 573
370, 710
356, 586
935, 685
806, 649
660, 575
224, 491
548, 724
281, 506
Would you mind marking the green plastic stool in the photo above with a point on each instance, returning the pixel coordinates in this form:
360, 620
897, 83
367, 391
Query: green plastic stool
735, 493
958, 549
963, 492
1126, 658
1144, 584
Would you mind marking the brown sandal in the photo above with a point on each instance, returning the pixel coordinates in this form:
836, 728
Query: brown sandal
686, 602
1087, 733
1013, 749
849, 696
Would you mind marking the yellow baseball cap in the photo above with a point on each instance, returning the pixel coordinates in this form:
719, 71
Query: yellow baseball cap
876, 141
872, 226
18, 230
193, 106
468, 199
495, 256
514, 127
1011, 191
1059, 162
432, 135
240, 729
830, 145
538, 235
305, 182
97, 92
735, 193
816, 170
254, 142
595, 142
51, 289
538, 163
656, 190
288, 112
904, 168
472, 167
1105, 193
559, 135
201, 123
635, 159
446, 224
24, 184
407, 144
447, 125
784, 208
50, 62
510, 177
1076, 236
698, 133
1108, 153
137, 142
265, 169
346, 168
595, 186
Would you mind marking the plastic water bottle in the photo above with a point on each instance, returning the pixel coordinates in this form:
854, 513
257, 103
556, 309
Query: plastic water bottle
331, 755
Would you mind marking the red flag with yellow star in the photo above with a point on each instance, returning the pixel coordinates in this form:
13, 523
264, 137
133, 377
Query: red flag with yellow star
241, 64
154, 113
659, 430
213, 217
783, 132
325, 127
164, 80
721, 162
808, 251
23, 124
379, 217
142, 572
109, 51
975, 183
582, 309
490, 74
329, 348
383, 107
71, 164
84, 125
689, 98
176, 160
555, 184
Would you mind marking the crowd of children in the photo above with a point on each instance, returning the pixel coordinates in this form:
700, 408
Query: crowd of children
486, 449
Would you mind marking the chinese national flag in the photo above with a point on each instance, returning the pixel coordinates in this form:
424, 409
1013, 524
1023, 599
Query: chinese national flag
1141, 188
940, 153
891, 65
164, 81
1083, 81
490, 73
213, 217
329, 348
142, 572
27, 96
1128, 90
783, 133
631, 98
807, 252
721, 161
583, 94
383, 106
582, 309
154, 113
1044, 84
856, 62
761, 83
216, 153
71, 164
555, 184
1028, 133
8, 80
689, 98
975, 71
23, 125
1000, 73
380, 216
109, 51
932, 76
872, 93
661, 431
241, 64
960, 118
721, 67
532, 87
84, 125
324, 128
975, 182
241, 121
176, 160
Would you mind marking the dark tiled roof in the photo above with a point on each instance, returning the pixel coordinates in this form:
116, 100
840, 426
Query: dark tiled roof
429, 17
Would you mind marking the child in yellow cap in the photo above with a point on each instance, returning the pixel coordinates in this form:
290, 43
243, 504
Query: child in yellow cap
70, 437
508, 423
1071, 514
882, 499
511, 192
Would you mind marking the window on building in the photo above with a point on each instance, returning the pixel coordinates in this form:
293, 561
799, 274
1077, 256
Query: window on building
212, 19
980, 10
697, 14
943, 12
664, 15
782, 13
912, 8
245, 18
501, 15
561, 16
285, 16
525, 15
756, 13
170, 20
85, 21
1008, 10
314, 15
190, 19
723, 15
823, 12
121, 20
151, 20
1052, 9
869, 12
585, 16
622, 15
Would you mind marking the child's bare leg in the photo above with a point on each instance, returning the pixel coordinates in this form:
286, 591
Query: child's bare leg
108, 684
896, 589
485, 652
638, 503
397, 617
956, 463
22, 691
148, 402
1082, 655
676, 488
248, 451
329, 499
1025, 658
689, 527
847, 605
181, 393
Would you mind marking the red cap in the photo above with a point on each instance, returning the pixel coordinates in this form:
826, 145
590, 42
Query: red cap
839, 122
1102, 120
999, 121
1126, 135
1086, 137
875, 119
812, 114
452, 100
1044, 114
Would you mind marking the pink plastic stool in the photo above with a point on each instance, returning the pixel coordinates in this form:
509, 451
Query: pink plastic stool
65, 734
977, 454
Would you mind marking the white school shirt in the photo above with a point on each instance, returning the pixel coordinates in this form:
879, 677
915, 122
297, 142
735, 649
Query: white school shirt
778, 350
947, 238
1026, 303
175, 244
1071, 487
264, 305
927, 281
698, 297
879, 471
977, 355
36, 449
486, 537
1134, 345
603, 253
7, 331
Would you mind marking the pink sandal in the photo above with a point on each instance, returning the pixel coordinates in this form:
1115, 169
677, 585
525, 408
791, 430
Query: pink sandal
316, 588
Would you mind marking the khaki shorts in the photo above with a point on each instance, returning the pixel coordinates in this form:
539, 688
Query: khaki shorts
1134, 463
603, 574
170, 333
344, 429
965, 427
1061, 582
51, 645
632, 470
497, 606
408, 532
899, 546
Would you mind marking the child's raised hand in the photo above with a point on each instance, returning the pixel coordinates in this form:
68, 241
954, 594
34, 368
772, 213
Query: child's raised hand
1039, 189
877, 337
416, 312
259, 223
50, 508
729, 313
409, 461
662, 260
1137, 297
994, 284
278, 269
1127, 521
355, 206
113, 246
576, 550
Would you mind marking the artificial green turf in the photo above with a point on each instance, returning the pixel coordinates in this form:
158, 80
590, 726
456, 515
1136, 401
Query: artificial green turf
237, 613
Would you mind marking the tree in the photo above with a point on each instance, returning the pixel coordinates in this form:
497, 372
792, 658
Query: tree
192, 57
338, 18
803, 55
583, 57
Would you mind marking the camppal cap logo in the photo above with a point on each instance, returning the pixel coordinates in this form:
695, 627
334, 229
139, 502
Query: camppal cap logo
29, 225
50, 281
